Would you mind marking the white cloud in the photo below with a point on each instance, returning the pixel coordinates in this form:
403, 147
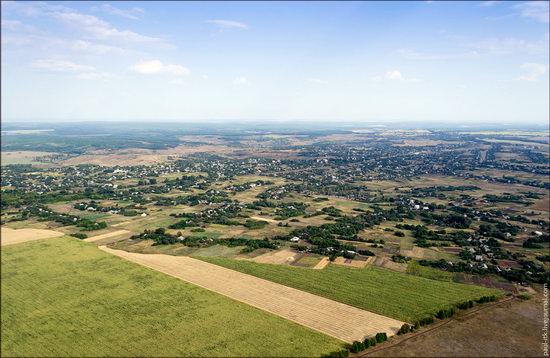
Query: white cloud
60, 66
532, 71
133, 13
86, 46
228, 24
102, 29
241, 81
89, 24
537, 10
394, 75
318, 81
156, 67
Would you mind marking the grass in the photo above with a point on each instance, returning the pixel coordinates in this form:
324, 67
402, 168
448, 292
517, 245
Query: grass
401, 296
65, 297
309, 261
414, 268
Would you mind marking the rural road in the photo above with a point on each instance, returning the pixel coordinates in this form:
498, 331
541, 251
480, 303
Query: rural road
333, 318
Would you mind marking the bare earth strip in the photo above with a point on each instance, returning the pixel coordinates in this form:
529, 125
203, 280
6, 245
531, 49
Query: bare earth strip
264, 219
322, 264
110, 235
329, 317
11, 236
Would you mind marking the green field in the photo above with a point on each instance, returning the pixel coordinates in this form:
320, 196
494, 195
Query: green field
401, 296
64, 297
414, 268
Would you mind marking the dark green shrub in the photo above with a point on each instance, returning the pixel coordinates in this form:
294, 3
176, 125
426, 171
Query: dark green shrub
381, 337
79, 235
344, 353
426, 320
357, 347
463, 305
366, 343
405, 328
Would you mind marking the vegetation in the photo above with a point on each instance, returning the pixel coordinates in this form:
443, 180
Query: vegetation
401, 296
64, 297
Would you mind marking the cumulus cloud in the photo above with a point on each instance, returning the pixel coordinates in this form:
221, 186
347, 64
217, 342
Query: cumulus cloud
537, 10
532, 71
317, 81
395, 76
228, 24
60, 66
241, 81
156, 67
133, 13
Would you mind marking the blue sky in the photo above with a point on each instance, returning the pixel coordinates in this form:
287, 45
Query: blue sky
351, 61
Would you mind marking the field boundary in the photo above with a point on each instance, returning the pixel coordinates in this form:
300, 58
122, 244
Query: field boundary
329, 317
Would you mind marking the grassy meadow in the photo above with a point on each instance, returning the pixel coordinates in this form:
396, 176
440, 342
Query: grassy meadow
401, 296
64, 297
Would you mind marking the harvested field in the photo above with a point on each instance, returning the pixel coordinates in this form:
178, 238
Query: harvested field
281, 257
305, 260
11, 236
24, 157
137, 156
330, 317
322, 264
110, 237
350, 263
